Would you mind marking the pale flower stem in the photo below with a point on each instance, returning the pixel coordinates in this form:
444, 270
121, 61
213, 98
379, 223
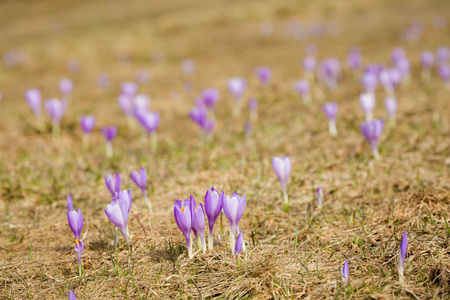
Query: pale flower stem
79, 269
376, 154
149, 204
285, 197
56, 130
210, 240
190, 250
332, 127
369, 116
109, 149
154, 142
85, 141
232, 241
237, 108
116, 237
253, 116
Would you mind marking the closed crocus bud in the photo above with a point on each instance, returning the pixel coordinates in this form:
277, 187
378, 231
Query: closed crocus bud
443, 54
401, 259
233, 208
354, 60
33, 98
188, 66
140, 179
369, 82
390, 103
319, 197
444, 72
79, 247
109, 133
367, 102
72, 295
210, 97
141, 103
264, 74
282, 168
330, 109
183, 219
65, 87
103, 80
69, 203
427, 59
198, 223
372, 131
56, 109
126, 104
117, 211
239, 242
75, 219
309, 64
397, 54
113, 183
149, 121
236, 86
302, 87
213, 207
128, 89
345, 272
87, 123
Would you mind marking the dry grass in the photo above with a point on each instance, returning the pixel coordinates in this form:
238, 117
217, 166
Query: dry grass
368, 204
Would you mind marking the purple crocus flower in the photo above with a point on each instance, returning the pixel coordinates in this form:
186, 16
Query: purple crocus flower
126, 104
109, 133
330, 109
210, 97
369, 82
69, 203
427, 59
149, 121
75, 219
33, 97
367, 102
390, 103
354, 60
182, 213
302, 87
141, 103
397, 54
390, 79
56, 109
117, 211
87, 123
79, 247
329, 72
233, 208
140, 179
188, 66
128, 89
236, 87
239, 243
198, 222
253, 108
309, 65
372, 131
213, 207
72, 295
443, 54
65, 87
319, 197
444, 72
199, 116
103, 80
282, 168
113, 183
345, 272
264, 74
401, 259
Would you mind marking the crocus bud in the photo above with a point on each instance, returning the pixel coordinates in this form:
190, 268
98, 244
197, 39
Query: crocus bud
390, 103
354, 60
427, 59
128, 89
72, 295
264, 74
319, 197
401, 259
302, 87
182, 216
79, 247
56, 109
87, 123
330, 109
117, 211
239, 242
282, 168
69, 203
443, 54
75, 219
65, 87
369, 82
367, 102
113, 183
372, 131
109, 133
126, 104
210, 97
213, 207
33, 97
198, 223
309, 64
233, 208
345, 272
236, 87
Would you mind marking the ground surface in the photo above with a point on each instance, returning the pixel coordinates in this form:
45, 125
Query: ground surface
368, 204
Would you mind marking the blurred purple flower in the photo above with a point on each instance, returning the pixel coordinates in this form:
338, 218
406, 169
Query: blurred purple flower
65, 87
367, 103
282, 167
330, 109
354, 60
56, 109
369, 82
390, 103
109, 132
443, 54
236, 87
33, 98
427, 59
113, 183
188, 66
213, 207
210, 97
125, 104
140, 179
401, 259
264, 75
319, 197
372, 131
87, 123
309, 64
128, 89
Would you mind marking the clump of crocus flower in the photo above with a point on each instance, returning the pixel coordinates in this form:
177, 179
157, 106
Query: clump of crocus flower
113, 183
390, 103
210, 97
117, 212
213, 207
199, 115
367, 102
427, 60
282, 168
87, 123
75, 219
56, 109
330, 109
345, 272
233, 209
140, 179
65, 87
401, 259
253, 108
236, 87
319, 197
182, 214
109, 133
264, 75
302, 87
372, 131
34, 99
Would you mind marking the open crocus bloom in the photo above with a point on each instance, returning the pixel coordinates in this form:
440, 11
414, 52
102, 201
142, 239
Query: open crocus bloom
233, 208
